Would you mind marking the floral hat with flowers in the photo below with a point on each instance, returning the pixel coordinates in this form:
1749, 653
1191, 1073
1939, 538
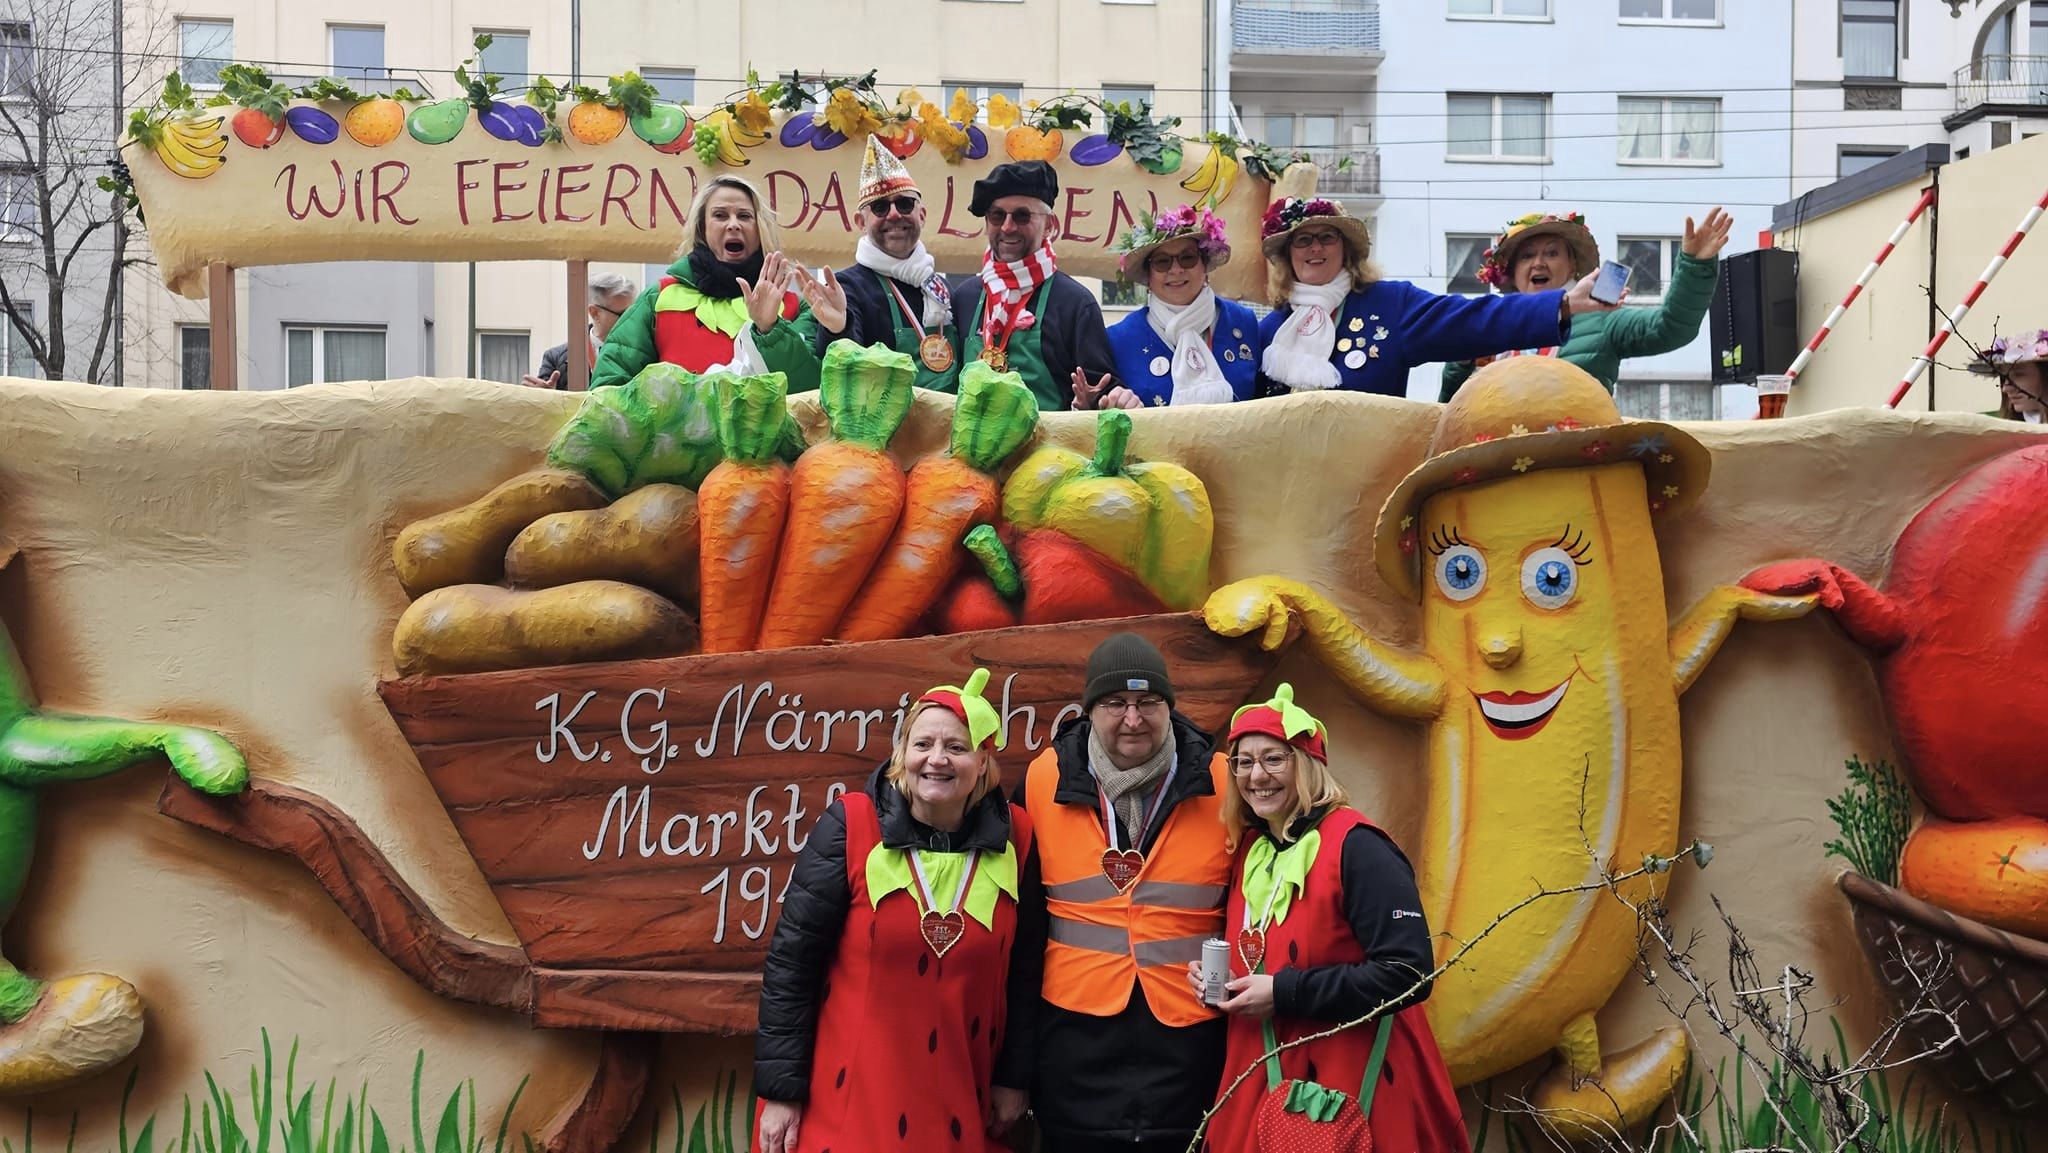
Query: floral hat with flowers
1135, 246
1497, 264
2026, 348
1288, 214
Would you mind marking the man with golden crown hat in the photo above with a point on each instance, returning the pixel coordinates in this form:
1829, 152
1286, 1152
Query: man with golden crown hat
893, 295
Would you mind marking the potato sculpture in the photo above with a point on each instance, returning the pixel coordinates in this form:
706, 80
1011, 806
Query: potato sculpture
480, 628
467, 545
647, 537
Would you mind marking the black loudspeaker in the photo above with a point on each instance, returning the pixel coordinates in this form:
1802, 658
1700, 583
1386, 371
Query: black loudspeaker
1754, 321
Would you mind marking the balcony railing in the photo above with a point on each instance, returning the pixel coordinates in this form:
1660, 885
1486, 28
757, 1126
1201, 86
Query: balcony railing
1346, 171
1306, 27
2001, 80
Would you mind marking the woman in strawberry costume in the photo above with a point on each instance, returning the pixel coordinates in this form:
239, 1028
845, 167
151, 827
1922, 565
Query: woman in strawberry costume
887, 989
1324, 926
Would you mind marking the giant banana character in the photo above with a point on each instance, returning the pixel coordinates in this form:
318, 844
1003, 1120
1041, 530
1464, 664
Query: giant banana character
1549, 680
56, 1032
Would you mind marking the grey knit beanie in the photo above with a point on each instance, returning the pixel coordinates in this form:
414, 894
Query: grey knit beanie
1126, 663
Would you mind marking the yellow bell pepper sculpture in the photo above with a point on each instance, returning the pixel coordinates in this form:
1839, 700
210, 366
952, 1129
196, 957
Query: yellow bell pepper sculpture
1152, 518
1548, 680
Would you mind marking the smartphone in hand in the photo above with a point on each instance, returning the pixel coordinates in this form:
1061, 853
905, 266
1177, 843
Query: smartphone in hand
1611, 281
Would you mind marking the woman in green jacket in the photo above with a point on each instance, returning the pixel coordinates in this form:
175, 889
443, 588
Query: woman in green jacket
725, 299
1541, 251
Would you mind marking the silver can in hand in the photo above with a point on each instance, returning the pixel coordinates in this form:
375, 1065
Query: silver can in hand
1215, 970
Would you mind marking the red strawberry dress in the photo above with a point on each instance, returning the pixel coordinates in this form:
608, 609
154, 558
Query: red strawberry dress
907, 1041
1415, 1109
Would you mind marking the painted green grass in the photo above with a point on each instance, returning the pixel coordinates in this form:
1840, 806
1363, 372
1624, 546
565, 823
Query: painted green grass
304, 1119
1743, 1118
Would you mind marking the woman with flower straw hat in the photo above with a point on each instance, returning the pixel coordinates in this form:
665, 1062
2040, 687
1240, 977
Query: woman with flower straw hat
2018, 363
1187, 345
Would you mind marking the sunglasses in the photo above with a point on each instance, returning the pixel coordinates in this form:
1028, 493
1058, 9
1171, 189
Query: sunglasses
1021, 217
902, 205
1162, 261
1315, 239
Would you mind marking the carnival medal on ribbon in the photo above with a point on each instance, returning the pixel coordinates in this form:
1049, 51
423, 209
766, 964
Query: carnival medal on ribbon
942, 931
1119, 864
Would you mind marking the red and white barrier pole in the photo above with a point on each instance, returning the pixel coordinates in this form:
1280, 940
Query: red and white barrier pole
1856, 290
1962, 310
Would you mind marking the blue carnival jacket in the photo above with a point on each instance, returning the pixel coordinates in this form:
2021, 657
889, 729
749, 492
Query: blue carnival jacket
1143, 359
1391, 326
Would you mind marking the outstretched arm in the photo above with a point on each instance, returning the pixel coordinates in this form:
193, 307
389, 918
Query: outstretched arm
43, 748
1697, 637
1390, 682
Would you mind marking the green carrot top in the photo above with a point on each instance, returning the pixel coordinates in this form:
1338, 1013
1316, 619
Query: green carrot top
866, 392
995, 415
752, 411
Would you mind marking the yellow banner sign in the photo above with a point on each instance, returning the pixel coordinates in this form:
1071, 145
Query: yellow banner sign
371, 182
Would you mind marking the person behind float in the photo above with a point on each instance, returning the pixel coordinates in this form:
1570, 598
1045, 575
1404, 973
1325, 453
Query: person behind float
1324, 926
905, 894
1126, 882
893, 294
1538, 251
724, 303
1187, 345
1024, 315
1338, 325
610, 295
2018, 363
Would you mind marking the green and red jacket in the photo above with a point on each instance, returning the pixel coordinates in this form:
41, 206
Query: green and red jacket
664, 325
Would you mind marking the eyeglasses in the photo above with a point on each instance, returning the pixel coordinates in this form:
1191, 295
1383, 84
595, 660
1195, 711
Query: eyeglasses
607, 308
1314, 239
1021, 217
1162, 261
903, 206
1116, 706
1273, 763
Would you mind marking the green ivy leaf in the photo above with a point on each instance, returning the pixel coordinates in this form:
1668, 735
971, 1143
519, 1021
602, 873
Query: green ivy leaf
631, 94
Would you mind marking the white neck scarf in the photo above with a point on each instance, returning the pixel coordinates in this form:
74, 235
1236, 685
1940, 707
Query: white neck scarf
1185, 327
917, 268
1299, 356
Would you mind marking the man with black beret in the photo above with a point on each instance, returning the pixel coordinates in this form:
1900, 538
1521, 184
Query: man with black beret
1025, 315
1126, 880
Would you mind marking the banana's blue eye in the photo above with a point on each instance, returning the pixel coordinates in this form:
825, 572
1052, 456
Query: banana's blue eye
1460, 572
1550, 578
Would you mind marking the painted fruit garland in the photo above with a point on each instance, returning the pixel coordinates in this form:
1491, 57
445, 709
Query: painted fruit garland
785, 544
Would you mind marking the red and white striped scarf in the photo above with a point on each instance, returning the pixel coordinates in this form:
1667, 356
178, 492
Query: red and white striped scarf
1005, 288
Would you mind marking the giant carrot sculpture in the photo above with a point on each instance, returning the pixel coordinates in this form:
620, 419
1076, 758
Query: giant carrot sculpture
741, 508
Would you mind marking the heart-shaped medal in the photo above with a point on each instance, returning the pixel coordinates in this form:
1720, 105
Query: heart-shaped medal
1251, 948
1121, 867
942, 931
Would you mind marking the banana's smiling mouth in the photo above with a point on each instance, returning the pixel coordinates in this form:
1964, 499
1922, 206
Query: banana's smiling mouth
1518, 716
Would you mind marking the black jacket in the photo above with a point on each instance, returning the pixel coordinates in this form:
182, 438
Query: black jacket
1127, 1077
871, 312
814, 911
1385, 912
556, 361
1074, 335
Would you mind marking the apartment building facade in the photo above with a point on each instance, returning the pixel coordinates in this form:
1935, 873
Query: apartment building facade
307, 323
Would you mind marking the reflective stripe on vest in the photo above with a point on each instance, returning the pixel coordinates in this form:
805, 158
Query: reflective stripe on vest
1100, 941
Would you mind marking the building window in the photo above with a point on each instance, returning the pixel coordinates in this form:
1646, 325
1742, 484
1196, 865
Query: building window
17, 60
979, 93
1484, 126
677, 84
17, 204
1854, 158
1673, 11
2037, 27
19, 358
318, 355
502, 356
203, 46
1650, 260
1655, 130
1135, 95
1463, 252
1117, 294
1870, 39
506, 57
1501, 9
356, 55
195, 356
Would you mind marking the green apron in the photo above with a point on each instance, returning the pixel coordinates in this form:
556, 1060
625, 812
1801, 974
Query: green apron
1023, 350
908, 338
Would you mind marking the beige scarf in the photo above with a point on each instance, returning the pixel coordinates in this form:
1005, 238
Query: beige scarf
1128, 790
